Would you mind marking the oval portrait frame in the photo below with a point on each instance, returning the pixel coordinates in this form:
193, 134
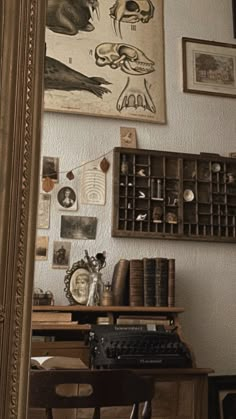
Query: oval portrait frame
80, 267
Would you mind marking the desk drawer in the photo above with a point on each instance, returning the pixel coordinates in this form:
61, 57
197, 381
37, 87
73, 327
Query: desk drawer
69, 349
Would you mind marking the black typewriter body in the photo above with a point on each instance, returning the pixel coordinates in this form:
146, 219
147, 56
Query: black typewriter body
114, 346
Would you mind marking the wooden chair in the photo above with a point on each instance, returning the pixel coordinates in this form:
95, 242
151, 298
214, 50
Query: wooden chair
109, 388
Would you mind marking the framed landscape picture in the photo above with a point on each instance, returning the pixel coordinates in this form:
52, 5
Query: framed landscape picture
105, 60
209, 67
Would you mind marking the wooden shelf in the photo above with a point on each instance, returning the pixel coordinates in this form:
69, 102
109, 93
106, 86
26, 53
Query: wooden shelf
166, 200
55, 326
110, 309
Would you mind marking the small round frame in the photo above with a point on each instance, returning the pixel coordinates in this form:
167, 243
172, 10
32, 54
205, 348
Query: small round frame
77, 283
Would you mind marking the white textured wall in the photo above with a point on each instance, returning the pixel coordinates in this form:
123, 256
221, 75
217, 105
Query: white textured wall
206, 272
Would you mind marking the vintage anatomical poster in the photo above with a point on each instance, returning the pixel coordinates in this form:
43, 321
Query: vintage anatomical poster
105, 58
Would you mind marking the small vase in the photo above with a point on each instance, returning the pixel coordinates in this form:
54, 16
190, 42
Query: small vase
107, 298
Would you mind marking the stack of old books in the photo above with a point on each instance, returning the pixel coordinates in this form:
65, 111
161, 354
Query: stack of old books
148, 282
51, 318
156, 320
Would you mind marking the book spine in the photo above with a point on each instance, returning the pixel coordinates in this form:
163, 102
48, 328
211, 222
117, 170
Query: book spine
136, 288
149, 265
171, 283
119, 284
143, 322
51, 316
161, 283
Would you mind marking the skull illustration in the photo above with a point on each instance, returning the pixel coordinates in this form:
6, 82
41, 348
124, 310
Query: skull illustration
135, 96
131, 11
128, 58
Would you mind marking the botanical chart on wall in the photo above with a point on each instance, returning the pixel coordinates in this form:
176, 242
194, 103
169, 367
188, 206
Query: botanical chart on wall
105, 58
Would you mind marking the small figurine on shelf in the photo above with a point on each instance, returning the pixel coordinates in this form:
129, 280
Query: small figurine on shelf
171, 218
156, 190
95, 264
157, 214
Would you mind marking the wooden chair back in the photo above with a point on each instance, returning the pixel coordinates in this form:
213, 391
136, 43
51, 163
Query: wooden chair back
109, 388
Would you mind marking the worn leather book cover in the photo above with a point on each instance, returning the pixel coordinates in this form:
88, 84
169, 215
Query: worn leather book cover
120, 283
51, 316
161, 283
136, 283
171, 282
149, 274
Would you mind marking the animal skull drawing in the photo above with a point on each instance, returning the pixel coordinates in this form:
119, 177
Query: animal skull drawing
127, 58
131, 11
135, 96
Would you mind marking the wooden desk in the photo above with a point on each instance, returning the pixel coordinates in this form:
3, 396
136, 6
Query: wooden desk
181, 393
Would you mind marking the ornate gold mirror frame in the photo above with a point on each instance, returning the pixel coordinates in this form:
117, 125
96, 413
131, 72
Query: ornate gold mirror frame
22, 26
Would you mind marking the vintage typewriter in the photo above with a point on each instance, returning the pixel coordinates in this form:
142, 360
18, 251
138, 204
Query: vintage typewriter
113, 346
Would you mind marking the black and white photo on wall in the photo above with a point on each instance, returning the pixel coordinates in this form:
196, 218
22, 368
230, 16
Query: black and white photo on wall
61, 254
66, 198
41, 248
43, 213
78, 228
50, 168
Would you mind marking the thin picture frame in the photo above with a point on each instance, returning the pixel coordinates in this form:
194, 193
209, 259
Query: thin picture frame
77, 283
221, 397
209, 67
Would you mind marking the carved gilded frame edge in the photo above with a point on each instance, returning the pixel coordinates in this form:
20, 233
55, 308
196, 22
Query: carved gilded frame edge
22, 27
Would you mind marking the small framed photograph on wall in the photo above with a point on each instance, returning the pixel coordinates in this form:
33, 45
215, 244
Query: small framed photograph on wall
78, 228
66, 199
50, 168
43, 215
209, 67
61, 254
41, 248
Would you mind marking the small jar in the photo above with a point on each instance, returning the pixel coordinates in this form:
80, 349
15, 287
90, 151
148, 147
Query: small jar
107, 299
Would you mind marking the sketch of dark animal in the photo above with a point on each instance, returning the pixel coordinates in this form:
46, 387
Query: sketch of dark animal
60, 77
71, 16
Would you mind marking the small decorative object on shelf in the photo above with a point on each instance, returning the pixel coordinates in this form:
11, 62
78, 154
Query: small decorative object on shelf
182, 196
41, 298
95, 264
107, 299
